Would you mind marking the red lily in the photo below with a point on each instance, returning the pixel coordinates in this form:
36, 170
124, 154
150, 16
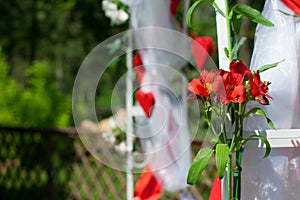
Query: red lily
202, 86
258, 89
238, 67
229, 87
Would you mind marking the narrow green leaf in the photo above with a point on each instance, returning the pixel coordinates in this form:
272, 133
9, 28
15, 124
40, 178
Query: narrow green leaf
259, 111
238, 44
269, 66
251, 111
190, 12
238, 145
195, 4
226, 51
198, 165
262, 113
287, 14
264, 140
222, 155
213, 3
252, 14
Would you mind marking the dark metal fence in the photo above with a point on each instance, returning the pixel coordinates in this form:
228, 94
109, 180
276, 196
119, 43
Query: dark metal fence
53, 164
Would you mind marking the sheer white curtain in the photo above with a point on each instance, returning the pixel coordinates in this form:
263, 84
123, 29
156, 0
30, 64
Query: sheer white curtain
166, 138
274, 44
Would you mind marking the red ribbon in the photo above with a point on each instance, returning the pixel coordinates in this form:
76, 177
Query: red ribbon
147, 187
216, 190
293, 5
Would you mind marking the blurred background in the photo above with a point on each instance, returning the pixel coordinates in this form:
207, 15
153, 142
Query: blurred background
42, 45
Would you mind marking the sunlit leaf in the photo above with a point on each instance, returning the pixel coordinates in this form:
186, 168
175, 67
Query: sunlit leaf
198, 165
269, 66
252, 14
222, 155
259, 111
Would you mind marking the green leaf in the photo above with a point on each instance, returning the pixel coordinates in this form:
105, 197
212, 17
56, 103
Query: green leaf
263, 139
251, 111
213, 3
190, 12
262, 113
226, 51
238, 44
287, 14
198, 165
269, 66
238, 145
237, 22
195, 4
259, 111
252, 14
222, 156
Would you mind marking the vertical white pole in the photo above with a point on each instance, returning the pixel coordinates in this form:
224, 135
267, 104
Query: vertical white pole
129, 125
223, 63
222, 36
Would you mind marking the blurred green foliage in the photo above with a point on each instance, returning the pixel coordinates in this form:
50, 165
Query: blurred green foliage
36, 104
43, 44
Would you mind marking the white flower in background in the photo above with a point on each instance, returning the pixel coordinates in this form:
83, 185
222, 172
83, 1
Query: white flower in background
122, 17
109, 6
109, 137
121, 148
116, 15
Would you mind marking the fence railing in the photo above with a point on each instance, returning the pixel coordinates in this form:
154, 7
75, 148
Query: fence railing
54, 164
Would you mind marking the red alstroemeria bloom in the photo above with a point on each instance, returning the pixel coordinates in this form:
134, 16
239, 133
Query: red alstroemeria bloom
202, 86
258, 89
238, 67
229, 87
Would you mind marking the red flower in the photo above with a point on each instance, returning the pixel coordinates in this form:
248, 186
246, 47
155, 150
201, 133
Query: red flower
229, 87
258, 89
238, 67
201, 49
174, 6
202, 86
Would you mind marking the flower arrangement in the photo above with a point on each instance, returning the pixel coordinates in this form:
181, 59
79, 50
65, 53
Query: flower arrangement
116, 11
224, 96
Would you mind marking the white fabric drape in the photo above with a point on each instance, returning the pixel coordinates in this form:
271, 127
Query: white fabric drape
278, 175
166, 138
274, 44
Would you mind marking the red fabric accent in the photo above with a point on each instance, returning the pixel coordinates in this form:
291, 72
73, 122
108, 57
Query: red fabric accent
139, 68
147, 187
216, 190
293, 5
174, 6
201, 54
146, 101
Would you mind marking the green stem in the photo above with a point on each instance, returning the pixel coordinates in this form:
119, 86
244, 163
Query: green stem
237, 175
223, 127
228, 26
229, 184
239, 154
